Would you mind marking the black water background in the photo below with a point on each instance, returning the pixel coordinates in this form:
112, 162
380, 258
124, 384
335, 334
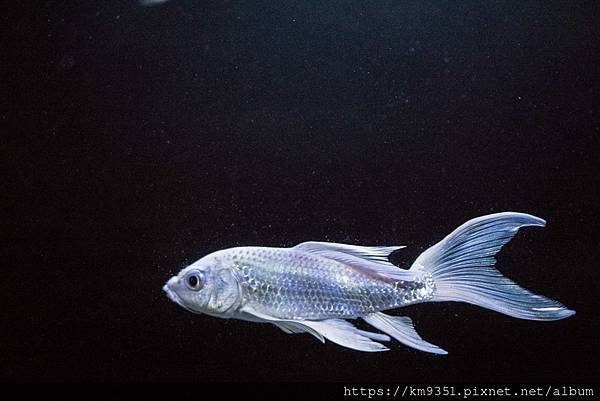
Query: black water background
137, 139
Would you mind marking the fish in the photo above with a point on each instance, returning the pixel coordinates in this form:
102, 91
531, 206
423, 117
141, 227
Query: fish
320, 288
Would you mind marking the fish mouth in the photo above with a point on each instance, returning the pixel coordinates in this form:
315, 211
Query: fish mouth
172, 295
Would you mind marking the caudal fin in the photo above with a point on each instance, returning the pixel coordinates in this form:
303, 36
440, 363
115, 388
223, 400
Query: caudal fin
462, 268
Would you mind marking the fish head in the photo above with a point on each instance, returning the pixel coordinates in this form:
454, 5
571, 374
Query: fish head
205, 286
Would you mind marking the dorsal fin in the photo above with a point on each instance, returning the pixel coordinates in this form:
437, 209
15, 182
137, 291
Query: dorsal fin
369, 259
374, 253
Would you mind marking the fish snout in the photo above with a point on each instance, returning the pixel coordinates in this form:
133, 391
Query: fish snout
170, 287
172, 281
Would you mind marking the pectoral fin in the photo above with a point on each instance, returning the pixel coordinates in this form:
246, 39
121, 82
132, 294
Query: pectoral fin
346, 335
288, 326
336, 330
402, 329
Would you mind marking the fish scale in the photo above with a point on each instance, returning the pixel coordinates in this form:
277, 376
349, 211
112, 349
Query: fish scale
290, 284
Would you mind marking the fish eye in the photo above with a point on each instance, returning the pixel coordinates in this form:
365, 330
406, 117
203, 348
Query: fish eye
194, 281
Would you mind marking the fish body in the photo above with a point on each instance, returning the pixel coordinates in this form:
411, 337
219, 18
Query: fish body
317, 287
290, 283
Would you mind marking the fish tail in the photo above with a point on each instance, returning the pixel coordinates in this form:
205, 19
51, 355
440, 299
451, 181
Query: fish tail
462, 269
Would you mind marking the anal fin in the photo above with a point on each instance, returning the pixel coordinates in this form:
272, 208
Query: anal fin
402, 329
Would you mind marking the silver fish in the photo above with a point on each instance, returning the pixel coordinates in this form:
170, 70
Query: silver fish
316, 287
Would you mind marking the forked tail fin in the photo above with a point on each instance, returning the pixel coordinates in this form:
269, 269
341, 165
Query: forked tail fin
462, 268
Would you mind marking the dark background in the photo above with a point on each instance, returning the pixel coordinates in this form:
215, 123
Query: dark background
138, 139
